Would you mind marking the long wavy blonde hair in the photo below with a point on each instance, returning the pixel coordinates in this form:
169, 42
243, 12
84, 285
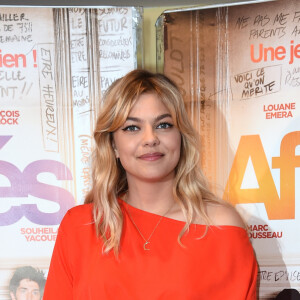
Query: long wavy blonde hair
190, 189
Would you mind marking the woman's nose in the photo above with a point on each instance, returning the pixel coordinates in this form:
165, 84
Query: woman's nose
150, 137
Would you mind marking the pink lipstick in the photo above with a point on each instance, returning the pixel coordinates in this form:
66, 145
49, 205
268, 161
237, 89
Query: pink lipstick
151, 156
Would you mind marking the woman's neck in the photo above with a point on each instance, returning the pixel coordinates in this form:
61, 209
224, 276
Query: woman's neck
155, 197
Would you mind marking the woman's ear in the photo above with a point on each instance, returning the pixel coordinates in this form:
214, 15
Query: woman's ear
115, 149
116, 152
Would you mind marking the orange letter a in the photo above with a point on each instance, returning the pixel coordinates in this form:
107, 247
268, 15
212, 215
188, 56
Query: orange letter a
251, 147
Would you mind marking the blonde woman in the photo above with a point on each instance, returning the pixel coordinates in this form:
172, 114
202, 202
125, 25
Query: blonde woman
150, 227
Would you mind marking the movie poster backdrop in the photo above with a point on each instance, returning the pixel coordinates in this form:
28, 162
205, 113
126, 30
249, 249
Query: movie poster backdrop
54, 66
239, 70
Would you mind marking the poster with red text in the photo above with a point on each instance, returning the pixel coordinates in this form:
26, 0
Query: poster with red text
239, 70
50, 92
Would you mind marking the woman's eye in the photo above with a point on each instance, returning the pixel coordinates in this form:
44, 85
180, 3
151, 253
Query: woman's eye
130, 128
164, 125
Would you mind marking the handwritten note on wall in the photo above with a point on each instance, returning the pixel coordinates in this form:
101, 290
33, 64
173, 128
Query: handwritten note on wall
15, 30
257, 83
271, 42
82, 102
48, 96
116, 41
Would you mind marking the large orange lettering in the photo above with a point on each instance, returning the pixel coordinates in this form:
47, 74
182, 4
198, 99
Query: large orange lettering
287, 162
251, 147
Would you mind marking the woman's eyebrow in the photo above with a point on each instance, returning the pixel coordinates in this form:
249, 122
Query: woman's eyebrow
158, 118
162, 117
134, 119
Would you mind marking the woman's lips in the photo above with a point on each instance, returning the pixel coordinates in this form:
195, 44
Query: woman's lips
151, 156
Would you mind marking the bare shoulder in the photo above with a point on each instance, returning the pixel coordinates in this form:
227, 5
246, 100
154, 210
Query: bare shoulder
223, 214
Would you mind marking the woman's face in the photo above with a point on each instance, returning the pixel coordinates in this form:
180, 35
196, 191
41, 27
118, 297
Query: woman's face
148, 144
